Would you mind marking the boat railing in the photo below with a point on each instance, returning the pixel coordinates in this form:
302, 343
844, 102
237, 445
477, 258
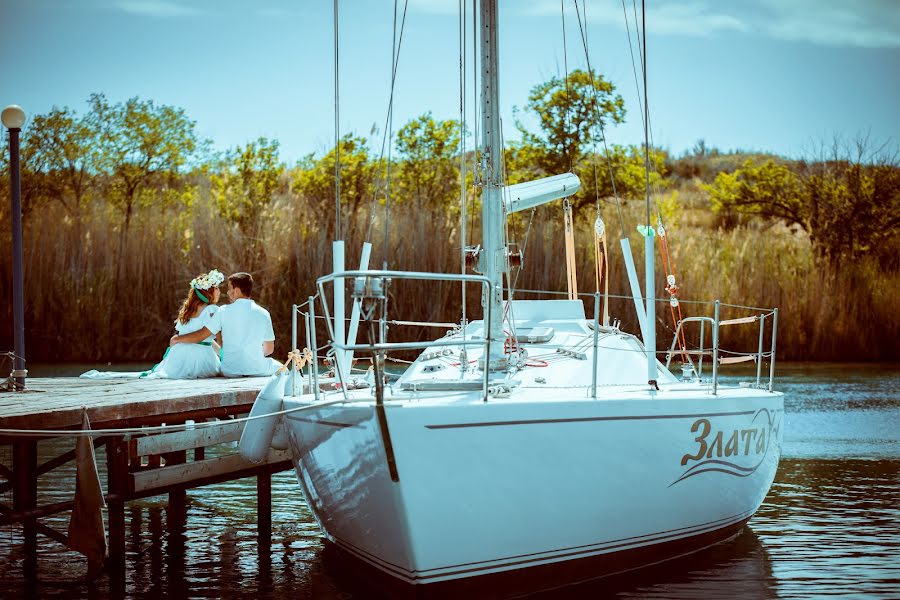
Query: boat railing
361, 279
715, 351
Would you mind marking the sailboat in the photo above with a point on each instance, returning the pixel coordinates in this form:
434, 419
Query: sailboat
536, 439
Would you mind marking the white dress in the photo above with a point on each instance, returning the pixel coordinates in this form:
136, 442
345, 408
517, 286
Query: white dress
181, 361
190, 361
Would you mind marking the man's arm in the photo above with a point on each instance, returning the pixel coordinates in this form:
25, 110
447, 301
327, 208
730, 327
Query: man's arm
190, 338
268, 348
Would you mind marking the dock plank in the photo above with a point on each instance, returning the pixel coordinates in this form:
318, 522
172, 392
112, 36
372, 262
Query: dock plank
56, 402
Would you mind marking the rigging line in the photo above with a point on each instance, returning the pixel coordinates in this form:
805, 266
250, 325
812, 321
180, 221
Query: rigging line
566, 71
594, 141
522, 252
384, 136
390, 146
638, 30
646, 112
633, 66
476, 166
599, 120
504, 196
462, 152
337, 132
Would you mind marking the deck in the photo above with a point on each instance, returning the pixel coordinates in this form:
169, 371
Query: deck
56, 402
139, 463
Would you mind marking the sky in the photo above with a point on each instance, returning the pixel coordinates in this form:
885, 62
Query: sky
782, 76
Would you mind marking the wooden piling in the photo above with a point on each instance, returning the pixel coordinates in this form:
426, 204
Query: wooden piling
117, 476
25, 498
264, 510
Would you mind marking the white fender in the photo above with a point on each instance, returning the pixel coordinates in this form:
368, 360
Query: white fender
280, 439
256, 438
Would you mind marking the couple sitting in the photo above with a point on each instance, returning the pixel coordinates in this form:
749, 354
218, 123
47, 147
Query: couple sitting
232, 340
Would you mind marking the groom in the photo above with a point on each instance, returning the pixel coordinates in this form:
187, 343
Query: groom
247, 334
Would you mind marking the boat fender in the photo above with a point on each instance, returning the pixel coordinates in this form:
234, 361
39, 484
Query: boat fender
280, 439
256, 439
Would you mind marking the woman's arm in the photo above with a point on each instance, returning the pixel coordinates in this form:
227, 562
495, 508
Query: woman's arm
190, 338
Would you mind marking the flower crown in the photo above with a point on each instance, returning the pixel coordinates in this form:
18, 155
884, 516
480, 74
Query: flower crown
205, 282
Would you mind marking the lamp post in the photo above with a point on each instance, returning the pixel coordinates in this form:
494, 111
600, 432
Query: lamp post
13, 118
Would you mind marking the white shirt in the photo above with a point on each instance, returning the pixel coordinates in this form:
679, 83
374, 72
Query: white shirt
245, 326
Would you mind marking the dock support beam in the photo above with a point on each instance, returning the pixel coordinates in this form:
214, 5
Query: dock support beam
117, 473
177, 511
264, 511
25, 498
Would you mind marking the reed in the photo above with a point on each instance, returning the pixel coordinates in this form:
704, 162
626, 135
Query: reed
77, 309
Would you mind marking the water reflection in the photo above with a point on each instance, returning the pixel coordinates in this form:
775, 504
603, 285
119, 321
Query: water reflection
834, 525
831, 523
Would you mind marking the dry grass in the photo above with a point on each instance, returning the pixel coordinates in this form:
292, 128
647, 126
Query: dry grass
76, 310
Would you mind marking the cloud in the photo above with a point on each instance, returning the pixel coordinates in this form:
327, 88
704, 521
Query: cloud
157, 8
693, 18
837, 23
841, 23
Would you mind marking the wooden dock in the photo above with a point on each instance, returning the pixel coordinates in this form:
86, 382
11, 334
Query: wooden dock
139, 464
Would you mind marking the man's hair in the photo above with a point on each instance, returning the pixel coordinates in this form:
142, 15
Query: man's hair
243, 282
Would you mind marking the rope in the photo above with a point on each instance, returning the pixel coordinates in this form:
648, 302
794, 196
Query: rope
161, 428
571, 275
601, 270
671, 281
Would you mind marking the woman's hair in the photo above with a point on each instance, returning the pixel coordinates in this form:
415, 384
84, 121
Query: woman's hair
191, 304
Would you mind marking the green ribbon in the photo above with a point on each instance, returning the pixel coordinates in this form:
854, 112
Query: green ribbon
646, 230
201, 296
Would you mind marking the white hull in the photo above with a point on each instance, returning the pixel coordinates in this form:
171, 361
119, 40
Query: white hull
525, 481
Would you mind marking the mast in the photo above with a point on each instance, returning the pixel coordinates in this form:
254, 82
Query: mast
492, 260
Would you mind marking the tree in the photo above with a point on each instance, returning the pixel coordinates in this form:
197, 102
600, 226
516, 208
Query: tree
570, 113
629, 172
428, 176
246, 182
770, 190
848, 203
61, 154
315, 181
142, 146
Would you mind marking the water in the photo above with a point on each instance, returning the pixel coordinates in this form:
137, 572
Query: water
829, 526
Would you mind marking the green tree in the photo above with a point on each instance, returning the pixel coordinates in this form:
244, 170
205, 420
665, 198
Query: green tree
628, 168
570, 114
246, 182
142, 147
848, 208
60, 150
769, 189
314, 181
428, 175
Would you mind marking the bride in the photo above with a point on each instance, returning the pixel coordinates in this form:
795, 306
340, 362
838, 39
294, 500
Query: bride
186, 361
